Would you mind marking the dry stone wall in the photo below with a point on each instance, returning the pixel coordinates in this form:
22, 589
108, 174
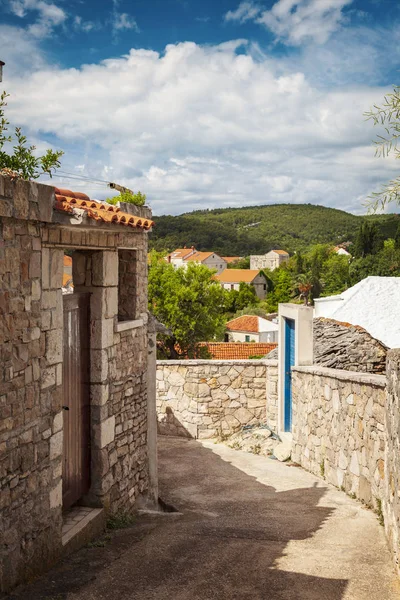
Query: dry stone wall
339, 428
347, 347
204, 398
391, 498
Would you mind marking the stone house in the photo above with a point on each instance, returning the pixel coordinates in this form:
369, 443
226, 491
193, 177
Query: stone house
230, 279
272, 260
251, 328
77, 391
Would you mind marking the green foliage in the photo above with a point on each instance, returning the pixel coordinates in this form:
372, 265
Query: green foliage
121, 520
190, 303
294, 227
23, 161
243, 263
137, 198
387, 117
367, 240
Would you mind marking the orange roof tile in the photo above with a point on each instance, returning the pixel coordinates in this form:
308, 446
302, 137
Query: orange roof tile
231, 259
66, 201
181, 252
237, 350
199, 256
237, 275
244, 323
283, 252
67, 280
67, 261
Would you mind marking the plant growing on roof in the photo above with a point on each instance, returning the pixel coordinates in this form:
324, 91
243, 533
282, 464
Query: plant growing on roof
23, 162
137, 198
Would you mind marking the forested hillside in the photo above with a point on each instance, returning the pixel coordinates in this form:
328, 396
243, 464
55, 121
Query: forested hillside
257, 229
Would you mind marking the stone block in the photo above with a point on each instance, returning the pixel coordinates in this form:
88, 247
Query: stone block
58, 422
56, 268
105, 269
99, 394
105, 432
54, 346
56, 496
102, 333
56, 445
99, 366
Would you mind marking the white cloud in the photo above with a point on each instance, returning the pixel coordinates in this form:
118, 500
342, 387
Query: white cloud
198, 127
246, 11
295, 21
49, 16
123, 21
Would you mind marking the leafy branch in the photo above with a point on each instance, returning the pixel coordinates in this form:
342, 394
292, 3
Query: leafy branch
23, 162
388, 117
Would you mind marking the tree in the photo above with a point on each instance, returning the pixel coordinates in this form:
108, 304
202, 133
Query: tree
387, 117
23, 162
335, 274
189, 302
137, 198
366, 240
303, 286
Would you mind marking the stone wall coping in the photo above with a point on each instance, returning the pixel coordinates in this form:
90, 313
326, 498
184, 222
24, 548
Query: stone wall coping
126, 325
195, 362
357, 377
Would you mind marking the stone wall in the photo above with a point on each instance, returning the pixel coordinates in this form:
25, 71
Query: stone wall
31, 386
204, 398
391, 498
339, 428
347, 347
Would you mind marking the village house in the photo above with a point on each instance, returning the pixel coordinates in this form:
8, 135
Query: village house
272, 260
251, 328
178, 256
208, 259
231, 260
230, 279
77, 374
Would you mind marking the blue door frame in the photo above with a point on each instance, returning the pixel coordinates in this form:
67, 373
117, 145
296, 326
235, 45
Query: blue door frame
289, 362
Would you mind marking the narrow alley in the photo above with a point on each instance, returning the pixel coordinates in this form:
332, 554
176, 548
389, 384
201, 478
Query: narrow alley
248, 528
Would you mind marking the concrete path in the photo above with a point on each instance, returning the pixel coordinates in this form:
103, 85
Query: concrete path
251, 529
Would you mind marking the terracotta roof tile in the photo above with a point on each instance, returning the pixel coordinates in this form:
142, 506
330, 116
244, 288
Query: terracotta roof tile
245, 323
238, 350
67, 261
198, 256
66, 201
282, 252
237, 275
231, 259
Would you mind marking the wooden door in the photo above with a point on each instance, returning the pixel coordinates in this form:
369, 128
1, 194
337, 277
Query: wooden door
76, 402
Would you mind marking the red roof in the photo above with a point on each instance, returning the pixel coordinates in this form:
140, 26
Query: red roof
238, 350
245, 323
66, 201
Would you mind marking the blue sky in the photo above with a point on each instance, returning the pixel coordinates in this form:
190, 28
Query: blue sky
204, 104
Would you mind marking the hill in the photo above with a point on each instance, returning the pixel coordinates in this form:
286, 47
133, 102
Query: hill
257, 229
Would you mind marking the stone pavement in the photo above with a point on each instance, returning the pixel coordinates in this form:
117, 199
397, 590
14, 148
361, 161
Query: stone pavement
251, 529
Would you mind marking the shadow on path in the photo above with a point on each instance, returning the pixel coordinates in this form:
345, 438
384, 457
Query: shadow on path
226, 545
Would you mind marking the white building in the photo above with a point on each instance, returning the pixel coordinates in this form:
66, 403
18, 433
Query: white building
373, 303
209, 259
272, 260
230, 279
250, 328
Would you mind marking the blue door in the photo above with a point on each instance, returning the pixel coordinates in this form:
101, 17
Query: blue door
289, 362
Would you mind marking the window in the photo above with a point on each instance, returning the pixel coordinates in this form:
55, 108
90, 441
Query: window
265, 286
246, 338
232, 286
127, 285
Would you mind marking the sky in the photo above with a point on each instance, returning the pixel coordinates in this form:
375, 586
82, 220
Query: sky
205, 103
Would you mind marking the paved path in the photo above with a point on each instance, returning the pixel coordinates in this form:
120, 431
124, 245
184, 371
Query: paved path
251, 529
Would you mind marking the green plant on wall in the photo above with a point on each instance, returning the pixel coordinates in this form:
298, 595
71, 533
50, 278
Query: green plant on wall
22, 161
137, 198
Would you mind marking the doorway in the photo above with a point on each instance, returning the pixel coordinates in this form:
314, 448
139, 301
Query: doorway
76, 398
289, 363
